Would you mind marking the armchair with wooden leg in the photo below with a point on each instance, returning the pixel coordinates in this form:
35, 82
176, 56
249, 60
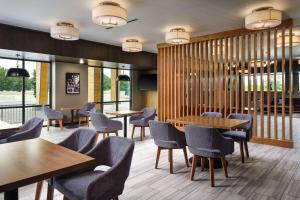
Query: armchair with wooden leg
82, 140
242, 134
142, 120
208, 143
104, 125
167, 137
84, 112
53, 115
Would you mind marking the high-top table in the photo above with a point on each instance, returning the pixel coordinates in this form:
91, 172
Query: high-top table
30, 161
124, 114
210, 122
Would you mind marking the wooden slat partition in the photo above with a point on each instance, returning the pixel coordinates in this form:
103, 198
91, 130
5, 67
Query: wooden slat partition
231, 72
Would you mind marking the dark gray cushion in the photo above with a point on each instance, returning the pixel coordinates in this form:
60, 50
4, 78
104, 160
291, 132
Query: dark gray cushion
236, 135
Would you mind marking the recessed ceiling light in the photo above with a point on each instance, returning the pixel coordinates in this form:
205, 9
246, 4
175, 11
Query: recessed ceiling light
177, 36
64, 31
263, 18
81, 61
109, 14
132, 45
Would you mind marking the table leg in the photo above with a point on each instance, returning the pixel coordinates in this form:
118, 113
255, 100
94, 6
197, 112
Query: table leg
71, 125
125, 126
11, 195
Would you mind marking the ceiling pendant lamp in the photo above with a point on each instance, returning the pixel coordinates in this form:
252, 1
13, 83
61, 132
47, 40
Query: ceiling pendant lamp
177, 36
123, 77
132, 45
64, 31
263, 18
17, 72
295, 40
109, 14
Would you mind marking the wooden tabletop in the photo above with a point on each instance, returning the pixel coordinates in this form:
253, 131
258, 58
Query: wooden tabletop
30, 161
70, 108
211, 122
124, 113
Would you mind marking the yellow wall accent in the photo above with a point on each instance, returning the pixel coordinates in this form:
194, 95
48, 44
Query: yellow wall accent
42, 76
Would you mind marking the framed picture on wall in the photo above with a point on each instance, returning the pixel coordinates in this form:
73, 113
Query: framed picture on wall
72, 83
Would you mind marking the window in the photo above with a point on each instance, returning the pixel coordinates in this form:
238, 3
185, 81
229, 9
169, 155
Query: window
111, 95
21, 98
265, 84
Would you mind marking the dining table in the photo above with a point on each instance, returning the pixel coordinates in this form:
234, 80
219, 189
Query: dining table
124, 114
210, 122
72, 110
30, 161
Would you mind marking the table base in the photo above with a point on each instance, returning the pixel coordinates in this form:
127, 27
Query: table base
11, 195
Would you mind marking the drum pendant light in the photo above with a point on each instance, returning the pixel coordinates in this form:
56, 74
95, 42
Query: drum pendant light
17, 72
123, 77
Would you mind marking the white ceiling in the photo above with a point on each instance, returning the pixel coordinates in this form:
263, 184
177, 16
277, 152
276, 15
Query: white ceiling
200, 17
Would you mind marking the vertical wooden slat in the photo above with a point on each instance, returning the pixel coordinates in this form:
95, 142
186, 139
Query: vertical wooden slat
171, 85
226, 78
262, 84
206, 81
210, 90
201, 77
255, 87
179, 79
243, 75
268, 86
175, 83
164, 83
237, 67
197, 71
283, 83
290, 84
249, 74
215, 79
231, 92
221, 71
184, 79
275, 84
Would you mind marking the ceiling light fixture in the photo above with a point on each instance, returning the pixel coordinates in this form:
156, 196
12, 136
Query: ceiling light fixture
132, 45
295, 40
17, 72
263, 18
65, 31
109, 14
81, 61
177, 36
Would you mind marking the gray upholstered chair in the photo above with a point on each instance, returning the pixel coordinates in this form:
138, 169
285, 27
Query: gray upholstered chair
53, 115
208, 143
212, 114
85, 111
114, 152
167, 137
30, 130
242, 134
104, 125
81, 140
142, 120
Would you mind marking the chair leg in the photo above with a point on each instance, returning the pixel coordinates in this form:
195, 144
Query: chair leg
50, 192
79, 121
171, 160
242, 151
211, 172
116, 198
194, 164
157, 157
38, 190
224, 164
60, 124
202, 163
87, 122
104, 135
144, 134
185, 157
246, 149
141, 133
117, 134
132, 131
48, 124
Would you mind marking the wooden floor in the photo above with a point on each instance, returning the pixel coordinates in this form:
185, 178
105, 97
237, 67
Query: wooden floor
270, 173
